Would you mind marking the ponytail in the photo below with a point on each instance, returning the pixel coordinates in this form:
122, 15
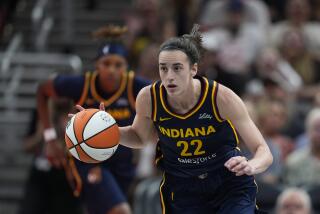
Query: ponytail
190, 44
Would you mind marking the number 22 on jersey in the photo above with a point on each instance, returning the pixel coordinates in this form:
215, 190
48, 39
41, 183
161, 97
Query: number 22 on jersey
187, 148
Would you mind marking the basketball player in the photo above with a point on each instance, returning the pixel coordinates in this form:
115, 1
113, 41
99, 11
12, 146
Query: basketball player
47, 190
104, 187
196, 123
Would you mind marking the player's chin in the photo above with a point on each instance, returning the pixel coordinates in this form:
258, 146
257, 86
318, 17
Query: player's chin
173, 91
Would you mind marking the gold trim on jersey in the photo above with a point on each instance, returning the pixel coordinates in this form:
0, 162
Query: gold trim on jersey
154, 102
214, 103
161, 194
131, 98
194, 109
234, 131
114, 97
85, 90
159, 158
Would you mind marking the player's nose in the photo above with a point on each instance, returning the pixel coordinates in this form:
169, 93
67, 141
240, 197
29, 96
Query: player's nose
170, 75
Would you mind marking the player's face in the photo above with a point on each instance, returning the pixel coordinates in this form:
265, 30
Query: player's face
110, 68
175, 71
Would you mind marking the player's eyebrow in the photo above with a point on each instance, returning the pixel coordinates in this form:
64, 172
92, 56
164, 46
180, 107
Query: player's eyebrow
178, 63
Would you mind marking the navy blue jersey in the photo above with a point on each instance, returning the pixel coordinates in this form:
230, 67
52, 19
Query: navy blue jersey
85, 91
196, 142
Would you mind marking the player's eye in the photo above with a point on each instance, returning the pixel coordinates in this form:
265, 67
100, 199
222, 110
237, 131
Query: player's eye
177, 68
118, 64
162, 68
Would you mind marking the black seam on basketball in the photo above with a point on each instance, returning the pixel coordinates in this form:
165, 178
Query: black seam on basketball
84, 127
71, 142
99, 133
98, 147
86, 152
74, 147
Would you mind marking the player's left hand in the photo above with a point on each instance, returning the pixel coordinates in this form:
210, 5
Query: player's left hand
239, 165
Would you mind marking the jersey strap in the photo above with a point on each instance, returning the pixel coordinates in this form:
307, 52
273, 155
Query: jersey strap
153, 91
130, 92
85, 89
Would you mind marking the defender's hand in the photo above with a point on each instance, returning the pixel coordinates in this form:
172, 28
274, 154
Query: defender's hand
55, 153
239, 165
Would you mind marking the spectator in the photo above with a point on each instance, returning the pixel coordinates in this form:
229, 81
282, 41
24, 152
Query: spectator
255, 12
273, 68
271, 118
293, 201
236, 45
294, 50
298, 18
303, 166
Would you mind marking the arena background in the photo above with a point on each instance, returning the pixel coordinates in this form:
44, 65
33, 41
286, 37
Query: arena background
267, 51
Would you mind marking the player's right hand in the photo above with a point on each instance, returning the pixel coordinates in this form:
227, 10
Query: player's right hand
55, 153
80, 108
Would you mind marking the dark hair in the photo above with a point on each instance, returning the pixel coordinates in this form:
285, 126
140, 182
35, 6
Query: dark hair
110, 36
190, 44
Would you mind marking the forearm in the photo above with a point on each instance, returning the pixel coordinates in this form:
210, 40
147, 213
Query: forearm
262, 159
43, 108
129, 138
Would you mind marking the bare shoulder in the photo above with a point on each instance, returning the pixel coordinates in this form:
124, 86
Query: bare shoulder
225, 96
229, 103
143, 102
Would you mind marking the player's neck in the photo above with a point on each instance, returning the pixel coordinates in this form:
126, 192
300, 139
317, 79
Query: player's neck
183, 103
111, 87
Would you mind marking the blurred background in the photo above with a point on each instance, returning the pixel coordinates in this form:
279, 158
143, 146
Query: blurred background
267, 51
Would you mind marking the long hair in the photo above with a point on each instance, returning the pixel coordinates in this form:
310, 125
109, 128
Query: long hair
190, 44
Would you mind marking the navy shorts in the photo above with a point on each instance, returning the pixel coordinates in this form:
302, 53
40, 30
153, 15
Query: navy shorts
102, 197
221, 193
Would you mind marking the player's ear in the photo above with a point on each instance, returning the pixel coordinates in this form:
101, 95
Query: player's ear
194, 69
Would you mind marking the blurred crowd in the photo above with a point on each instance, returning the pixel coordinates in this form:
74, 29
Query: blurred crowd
268, 52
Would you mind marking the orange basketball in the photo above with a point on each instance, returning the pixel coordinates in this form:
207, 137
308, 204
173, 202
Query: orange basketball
92, 136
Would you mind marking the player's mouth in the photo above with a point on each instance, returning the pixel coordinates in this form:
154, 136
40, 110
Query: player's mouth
171, 86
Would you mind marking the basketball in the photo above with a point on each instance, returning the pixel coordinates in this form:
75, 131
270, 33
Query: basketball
92, 136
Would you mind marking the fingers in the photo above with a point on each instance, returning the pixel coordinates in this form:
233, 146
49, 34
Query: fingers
239, 165
245, 171
55, 154
70, 115
101, 107
79, 108
232, 162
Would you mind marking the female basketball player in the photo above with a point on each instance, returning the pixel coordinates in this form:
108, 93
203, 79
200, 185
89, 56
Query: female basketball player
195, 122
103, 187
